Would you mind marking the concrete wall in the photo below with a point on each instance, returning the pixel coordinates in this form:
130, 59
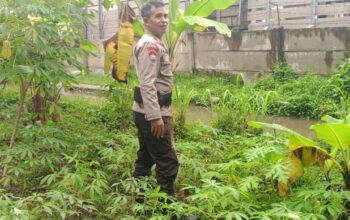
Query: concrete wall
308, 50
252, 52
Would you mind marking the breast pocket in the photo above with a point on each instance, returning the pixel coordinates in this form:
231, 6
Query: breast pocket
165, 66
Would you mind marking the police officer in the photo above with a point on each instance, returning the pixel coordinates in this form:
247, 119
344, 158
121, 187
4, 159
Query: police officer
152, 107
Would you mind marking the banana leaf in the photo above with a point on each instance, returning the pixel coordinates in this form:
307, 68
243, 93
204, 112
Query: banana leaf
204, 8
303, 153
330, 119
337, 135
193, 18
109, 51
138, 27
118, 49
196, 22
125, 40
296, 140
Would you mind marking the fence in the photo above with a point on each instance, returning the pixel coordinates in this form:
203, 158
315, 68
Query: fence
105, 23
246, 15
268, 14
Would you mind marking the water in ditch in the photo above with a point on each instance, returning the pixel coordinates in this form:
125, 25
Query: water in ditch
205, 115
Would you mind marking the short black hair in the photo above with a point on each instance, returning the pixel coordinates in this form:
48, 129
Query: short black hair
146, 9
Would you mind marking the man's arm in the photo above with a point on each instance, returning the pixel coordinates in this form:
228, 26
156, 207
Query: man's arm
149, 62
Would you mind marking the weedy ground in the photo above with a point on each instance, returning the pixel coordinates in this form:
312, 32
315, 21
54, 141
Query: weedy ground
81, 167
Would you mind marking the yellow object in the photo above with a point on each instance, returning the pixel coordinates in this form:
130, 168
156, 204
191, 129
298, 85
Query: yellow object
6, 50
110, 50
297, 168
115, 65
309, 156
124, 52
118, 49
283, 189
298, 159
296, 171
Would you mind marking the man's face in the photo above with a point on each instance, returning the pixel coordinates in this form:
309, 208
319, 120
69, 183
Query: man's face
157, 23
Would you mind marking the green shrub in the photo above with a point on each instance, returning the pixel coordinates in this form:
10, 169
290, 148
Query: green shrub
230, 121
266, 84
341, 80
307, 96
283, 73
116, 112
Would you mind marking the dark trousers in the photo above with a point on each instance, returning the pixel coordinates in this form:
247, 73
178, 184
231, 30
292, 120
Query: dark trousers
156, 151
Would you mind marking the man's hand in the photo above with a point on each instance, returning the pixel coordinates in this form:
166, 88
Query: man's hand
157, 127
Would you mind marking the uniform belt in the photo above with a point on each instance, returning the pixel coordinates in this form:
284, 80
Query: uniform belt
163, 99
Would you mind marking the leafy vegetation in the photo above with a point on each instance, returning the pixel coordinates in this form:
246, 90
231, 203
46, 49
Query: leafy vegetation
308, 96
81, 168
39, 39
283, 93
341, 81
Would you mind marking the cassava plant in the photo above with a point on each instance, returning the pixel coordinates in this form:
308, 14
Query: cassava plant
40, 38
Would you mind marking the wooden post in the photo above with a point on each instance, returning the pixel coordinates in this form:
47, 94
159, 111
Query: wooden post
186, 3
268, 13
218, 15
313, 20
100, 19
278, 15
239, 13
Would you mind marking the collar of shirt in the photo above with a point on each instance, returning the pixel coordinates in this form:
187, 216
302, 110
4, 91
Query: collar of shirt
156, 38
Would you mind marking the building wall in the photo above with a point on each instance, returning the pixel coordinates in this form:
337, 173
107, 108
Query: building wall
252, 52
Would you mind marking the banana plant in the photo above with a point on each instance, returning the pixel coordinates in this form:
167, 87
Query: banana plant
193, 18
305, 152
336, 133
118, 48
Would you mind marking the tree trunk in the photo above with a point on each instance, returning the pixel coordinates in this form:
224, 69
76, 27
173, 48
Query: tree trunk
24, 88
39, 107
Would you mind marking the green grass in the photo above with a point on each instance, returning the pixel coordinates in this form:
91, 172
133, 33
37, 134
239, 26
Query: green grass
94, 79
103, 79
203, 84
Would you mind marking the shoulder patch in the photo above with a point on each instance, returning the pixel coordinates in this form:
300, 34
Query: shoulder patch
153, 51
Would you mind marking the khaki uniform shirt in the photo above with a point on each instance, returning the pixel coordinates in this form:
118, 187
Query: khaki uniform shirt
153, 67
